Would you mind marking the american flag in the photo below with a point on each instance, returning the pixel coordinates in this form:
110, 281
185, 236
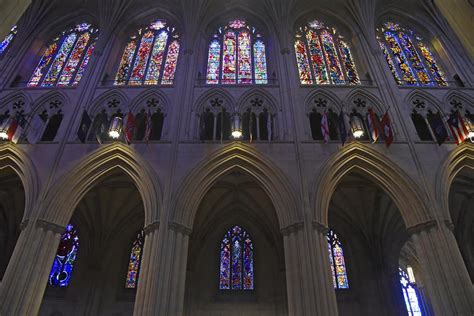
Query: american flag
457, 127
148, 127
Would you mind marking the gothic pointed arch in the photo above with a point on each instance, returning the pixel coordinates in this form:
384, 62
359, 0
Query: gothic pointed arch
269, 100
162, 100
333, 101
204, 100
112, 94
236, 157
369, 98
63, 197
397, 184
13, 157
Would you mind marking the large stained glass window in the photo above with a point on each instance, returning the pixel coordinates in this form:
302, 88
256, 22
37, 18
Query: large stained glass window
411, 62
66, 58
60, 274
237, 55
236, 261
410, 292
323, 56
337, 263
134, 262
150, 57
8, 40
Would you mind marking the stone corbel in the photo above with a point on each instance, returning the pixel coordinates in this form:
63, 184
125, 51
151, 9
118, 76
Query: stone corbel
321, 228
49, 226
180, 228
285, 231
422, 227
151, 227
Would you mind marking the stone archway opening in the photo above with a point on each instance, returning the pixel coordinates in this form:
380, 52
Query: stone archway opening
108, 219
12, 206
461, 209
235, 198
372, 231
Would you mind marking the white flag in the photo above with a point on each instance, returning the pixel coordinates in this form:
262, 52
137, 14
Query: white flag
36, 129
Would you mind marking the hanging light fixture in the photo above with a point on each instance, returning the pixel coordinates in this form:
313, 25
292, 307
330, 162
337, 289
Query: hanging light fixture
470, 129
4, 127
115, 128
236, 126
357, 127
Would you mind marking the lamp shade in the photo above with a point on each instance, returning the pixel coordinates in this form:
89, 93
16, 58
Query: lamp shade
115, 128
236, 126
357, 126
470, 129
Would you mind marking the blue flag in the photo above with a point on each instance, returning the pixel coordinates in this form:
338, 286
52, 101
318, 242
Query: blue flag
84, 127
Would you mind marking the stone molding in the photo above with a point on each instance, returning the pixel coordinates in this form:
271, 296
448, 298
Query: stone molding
422, 227
49, 226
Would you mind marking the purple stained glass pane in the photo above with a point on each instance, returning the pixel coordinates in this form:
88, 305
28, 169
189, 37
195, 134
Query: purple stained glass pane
336, 259
229, 58
213, 62
156, 60
134, 262
58, 63
171, 63
63, 263
141, 60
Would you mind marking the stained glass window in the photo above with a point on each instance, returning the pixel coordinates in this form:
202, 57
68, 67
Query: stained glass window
322, 54
150, 57
410, 292
60, 274
237, 55
8, 40
66, 58
134, 262
236, 261
337, 263
411, 62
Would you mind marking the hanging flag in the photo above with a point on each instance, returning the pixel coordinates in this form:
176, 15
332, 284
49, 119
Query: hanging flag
387, 129
269, 126
148, 127
372, 120
439, 130
250, 126
129, 127
325, 127
102, 127
84, 127
457, 127
36, 130
341, 122
19, 128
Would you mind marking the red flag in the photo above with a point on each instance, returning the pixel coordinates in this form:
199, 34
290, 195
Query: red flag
129, 127
148, 126
12, 129
325, 127
372, 120
387, 129
457, 127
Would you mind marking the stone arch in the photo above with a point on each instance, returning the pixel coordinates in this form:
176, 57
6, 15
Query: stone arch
113, 93
396, 183
13, 157
459, 96
62, 198
14, 96
434, 103
203, 100
460, 158
40, 103
335, 102
236, 156
366, 96
138, 101
270, 101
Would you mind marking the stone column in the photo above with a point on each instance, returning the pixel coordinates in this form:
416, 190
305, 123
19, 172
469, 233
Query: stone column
163, 271
446, 280
26, 277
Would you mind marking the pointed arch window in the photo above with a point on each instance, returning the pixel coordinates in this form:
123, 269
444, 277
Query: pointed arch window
66, 58
237, 55
236, 261
411, 294
60, 274
337, 262
134, 263
410, 60
323, 56
150, 57
8, 40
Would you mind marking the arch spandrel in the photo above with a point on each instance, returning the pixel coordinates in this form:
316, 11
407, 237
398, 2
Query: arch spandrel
398, 185
236, 157
460, 158
13, 157
64, 196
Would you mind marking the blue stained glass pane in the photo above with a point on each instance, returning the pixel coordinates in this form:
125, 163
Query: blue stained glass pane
8, 40
410, 294
60, 274
134, 262
336, 259
236, 261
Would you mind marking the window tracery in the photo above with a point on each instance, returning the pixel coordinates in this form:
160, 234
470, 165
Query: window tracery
236, 261
237, 55
150, 57
410, 60
323, 56
66, 58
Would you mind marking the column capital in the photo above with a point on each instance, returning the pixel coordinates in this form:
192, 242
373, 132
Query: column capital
151, 227
285, 231
177, 227
24, 224
50, 226
422, 227
321, 228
